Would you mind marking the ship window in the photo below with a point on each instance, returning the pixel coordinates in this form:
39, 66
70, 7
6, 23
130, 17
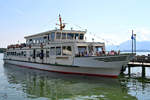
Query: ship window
63, 35
30, 41
37, 53
58, 50
76, 36
27, 41
21, 53
58, 35
34, 41
44, 41
48, 37
99, 49
45, 37
52, 36
41, 40
81, 36
70, 36
24, 54
38, 41
52, 51
31, 53
82, 50
67, 50
47, 53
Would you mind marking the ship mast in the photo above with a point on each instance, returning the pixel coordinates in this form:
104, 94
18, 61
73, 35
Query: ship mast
61, 25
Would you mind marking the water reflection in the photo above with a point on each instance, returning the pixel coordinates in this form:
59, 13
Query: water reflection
53, 86
137, 86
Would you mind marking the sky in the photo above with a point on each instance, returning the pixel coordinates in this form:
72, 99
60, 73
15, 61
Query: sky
111, 21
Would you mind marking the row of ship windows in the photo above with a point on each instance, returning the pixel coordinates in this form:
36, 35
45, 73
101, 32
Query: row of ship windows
58, 36
69, 36
65, 50
22, 53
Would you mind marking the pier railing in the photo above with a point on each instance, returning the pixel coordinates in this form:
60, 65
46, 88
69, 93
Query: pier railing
141, 59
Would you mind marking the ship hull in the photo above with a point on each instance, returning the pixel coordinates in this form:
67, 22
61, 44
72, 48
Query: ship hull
104, 72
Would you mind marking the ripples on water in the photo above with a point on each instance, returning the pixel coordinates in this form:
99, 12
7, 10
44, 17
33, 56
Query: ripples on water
27, 84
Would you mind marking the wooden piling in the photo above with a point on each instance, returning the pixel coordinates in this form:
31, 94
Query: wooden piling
129, 70
143, 71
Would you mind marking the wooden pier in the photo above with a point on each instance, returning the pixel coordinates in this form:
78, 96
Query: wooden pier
139, 61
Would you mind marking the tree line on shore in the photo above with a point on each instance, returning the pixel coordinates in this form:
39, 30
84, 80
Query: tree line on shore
2, 50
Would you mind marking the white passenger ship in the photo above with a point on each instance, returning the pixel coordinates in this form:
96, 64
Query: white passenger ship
66, 51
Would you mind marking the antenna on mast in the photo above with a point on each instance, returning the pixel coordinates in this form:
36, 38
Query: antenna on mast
61, 25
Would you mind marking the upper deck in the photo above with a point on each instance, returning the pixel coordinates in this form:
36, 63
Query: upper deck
56, 36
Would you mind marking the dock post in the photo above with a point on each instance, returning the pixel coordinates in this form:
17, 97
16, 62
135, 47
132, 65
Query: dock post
143, 71
129, 70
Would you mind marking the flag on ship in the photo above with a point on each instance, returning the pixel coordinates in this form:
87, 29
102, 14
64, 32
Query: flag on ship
133, 36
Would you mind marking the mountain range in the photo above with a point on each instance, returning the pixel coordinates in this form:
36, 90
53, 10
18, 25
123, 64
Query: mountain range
127, 46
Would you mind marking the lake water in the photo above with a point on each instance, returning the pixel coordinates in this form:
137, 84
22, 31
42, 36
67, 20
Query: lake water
28, 84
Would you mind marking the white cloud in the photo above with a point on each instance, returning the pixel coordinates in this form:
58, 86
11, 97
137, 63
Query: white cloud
143, 34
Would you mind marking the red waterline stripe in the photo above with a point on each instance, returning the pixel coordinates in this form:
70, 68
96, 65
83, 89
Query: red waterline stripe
101, 75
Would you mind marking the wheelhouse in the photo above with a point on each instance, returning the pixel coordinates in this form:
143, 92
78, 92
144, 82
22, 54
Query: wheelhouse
56, 35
